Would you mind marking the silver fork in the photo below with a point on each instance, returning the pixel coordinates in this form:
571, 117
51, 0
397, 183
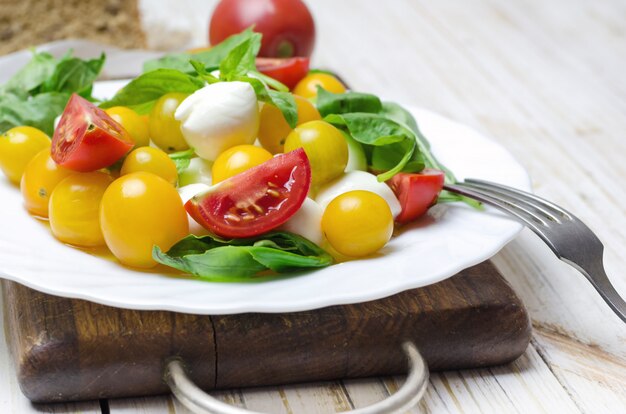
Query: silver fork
568, 237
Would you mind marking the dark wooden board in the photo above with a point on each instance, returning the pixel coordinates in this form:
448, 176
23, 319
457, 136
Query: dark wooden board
67, 349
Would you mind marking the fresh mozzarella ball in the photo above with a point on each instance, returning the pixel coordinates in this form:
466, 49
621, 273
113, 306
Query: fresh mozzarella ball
307, 222
358, 180
186, 193
219, 116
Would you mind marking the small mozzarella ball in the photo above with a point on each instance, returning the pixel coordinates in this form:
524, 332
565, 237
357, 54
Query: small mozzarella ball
307, 222
219, 116
358, 180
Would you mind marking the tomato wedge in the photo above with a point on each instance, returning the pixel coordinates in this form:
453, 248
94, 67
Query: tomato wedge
257, 200
416, 192
87, 138
288, 71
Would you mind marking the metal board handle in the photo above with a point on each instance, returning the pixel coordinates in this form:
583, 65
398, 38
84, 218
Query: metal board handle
200, 402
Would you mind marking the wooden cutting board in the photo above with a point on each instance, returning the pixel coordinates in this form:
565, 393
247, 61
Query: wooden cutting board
67, 349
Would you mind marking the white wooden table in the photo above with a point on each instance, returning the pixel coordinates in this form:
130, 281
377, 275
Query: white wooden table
545, 79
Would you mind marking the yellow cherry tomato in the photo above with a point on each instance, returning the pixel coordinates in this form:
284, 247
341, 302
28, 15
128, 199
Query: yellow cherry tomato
74, 209
138, 211
273, 128
324, 145
307, 87
17, 147
151, 160
357, 223
40, 178
238, 159
132, 123
164, 128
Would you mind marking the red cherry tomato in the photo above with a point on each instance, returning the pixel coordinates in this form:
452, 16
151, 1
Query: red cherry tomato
287, 25
87, 138
416, 192
288, 71
257, 200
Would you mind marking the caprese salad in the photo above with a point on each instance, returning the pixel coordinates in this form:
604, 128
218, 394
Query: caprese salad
209, 164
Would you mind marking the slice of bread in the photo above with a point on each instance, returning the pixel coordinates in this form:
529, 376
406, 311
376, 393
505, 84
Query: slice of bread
26, 23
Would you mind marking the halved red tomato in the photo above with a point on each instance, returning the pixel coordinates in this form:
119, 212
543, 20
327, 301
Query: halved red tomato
288, 71
87, 138
257, 200
416, 192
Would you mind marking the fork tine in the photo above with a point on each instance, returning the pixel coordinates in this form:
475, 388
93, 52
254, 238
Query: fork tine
539, 203
526, 216
518, 200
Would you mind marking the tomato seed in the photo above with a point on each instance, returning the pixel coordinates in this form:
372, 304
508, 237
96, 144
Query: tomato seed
232, 217
257, 208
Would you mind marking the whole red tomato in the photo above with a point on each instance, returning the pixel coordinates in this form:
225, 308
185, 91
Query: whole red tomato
287, 25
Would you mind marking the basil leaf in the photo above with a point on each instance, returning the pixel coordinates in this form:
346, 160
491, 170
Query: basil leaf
213, 258
370, 129
387, 157
74, 75
284, 101
242, 59
37, 111
342, 103
141, 93
182, 159
403, 117
209, 58
31, 76
375, 130
287, 105
203, 72
395, 112
214, 264
271, 82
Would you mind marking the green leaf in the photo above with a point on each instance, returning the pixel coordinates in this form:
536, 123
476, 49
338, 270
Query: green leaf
74, 75
370, 129
342, 103
284, 101
31, 76
403, 117
182, 159
141, 93
387, 157
271, 82
261, 91
203, 72
395, 112
374, 130
241, 59
209, 58
287, 105
213, 258
38, 111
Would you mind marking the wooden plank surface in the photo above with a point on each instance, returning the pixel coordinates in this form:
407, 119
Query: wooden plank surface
546, 79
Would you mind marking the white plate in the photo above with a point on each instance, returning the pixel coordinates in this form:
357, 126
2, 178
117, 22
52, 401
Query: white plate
449, 239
